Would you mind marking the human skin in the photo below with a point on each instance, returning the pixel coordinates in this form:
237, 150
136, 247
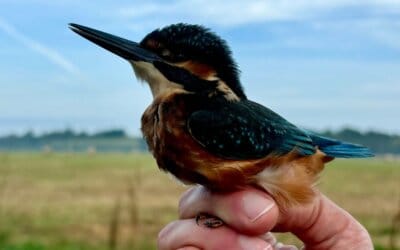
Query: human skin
251, 214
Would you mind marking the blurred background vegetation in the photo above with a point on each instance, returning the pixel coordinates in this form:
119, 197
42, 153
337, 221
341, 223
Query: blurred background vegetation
69, 190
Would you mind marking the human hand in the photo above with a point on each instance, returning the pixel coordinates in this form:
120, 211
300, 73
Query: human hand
251, 214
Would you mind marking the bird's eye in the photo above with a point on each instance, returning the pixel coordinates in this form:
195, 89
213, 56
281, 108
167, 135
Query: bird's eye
172, 55
166, 53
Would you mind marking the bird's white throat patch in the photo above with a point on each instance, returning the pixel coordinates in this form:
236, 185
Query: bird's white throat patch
158, 83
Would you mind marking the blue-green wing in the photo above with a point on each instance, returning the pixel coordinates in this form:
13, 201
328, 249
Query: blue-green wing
246, 130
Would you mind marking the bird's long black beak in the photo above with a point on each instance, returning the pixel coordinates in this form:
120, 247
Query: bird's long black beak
129, 50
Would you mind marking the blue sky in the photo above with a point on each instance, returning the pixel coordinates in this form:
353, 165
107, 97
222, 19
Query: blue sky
321, 64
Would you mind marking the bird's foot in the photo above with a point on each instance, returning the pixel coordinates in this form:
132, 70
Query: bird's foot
209, 221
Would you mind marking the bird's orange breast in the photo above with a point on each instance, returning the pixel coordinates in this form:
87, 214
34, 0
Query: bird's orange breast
164, 127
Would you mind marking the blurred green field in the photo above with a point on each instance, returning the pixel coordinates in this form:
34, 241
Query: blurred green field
121, 201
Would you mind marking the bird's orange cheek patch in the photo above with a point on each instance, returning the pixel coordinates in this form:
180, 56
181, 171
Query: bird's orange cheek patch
202, 70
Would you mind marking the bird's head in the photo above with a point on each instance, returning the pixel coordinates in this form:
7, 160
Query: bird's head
184, 56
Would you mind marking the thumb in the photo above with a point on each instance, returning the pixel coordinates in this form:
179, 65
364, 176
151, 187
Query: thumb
323, 225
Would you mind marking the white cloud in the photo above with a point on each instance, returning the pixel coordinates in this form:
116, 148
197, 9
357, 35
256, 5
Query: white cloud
49, 53
237, 12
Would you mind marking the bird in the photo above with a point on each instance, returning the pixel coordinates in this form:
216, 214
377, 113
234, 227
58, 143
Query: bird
202, 128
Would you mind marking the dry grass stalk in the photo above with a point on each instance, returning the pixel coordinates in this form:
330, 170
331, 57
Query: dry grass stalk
114, 226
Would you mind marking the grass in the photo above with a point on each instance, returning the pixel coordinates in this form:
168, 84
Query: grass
80, 201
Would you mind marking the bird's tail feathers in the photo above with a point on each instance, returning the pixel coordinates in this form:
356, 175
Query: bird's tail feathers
347, 150
335, 148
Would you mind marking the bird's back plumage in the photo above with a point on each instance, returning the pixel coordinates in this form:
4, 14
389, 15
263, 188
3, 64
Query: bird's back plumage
246, 130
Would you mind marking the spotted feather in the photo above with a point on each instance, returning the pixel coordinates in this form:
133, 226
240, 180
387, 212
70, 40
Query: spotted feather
246, 130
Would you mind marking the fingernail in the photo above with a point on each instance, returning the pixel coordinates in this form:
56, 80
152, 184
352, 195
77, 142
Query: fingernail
247, 243
256, 206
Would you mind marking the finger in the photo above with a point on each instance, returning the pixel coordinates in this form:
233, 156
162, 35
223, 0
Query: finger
249, 211
323, 225
187, 234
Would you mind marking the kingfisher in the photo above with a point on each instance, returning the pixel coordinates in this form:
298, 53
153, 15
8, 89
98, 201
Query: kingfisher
202, 128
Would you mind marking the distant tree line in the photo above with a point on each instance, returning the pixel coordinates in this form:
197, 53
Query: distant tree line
70, 134
116, 140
